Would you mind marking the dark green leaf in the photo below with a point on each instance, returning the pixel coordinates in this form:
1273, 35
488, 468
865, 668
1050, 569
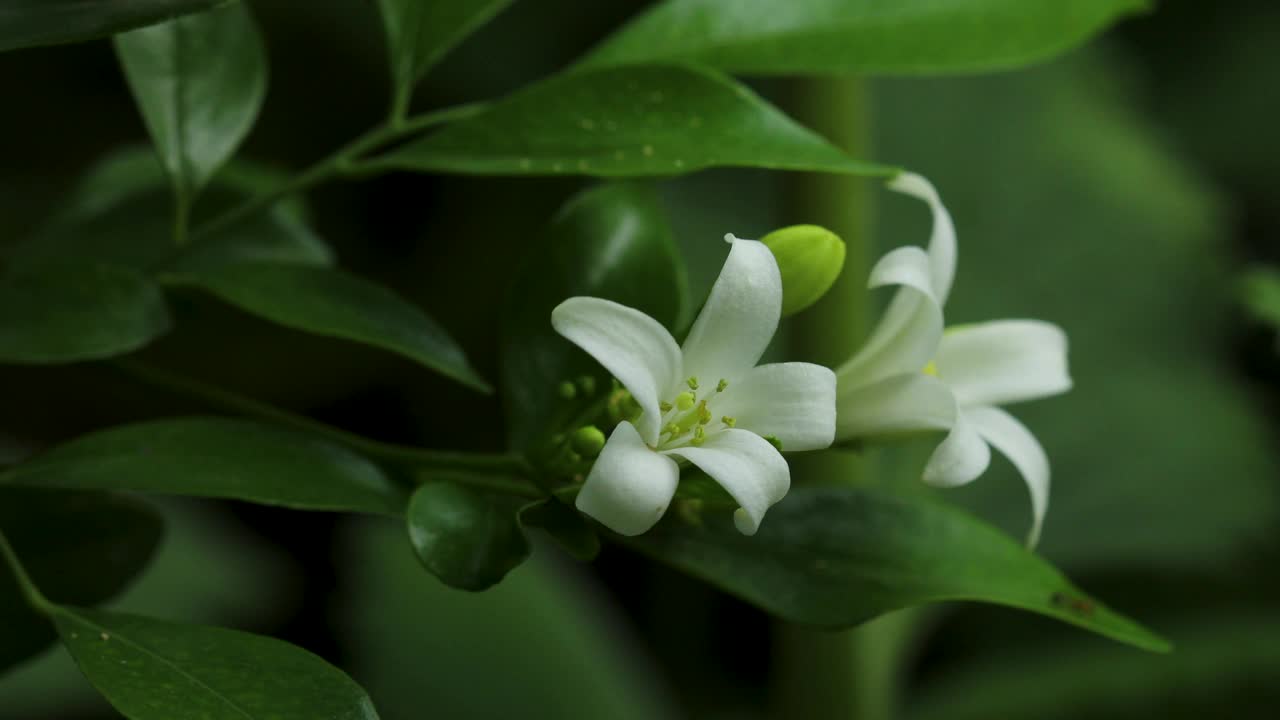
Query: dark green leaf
199, 82
120, 212
78, 547
331, 303
858, 36
468, 539
547, 636
565, 525
216, 457
155, 670
64, 313
419, 34
638, 121
26, 23
611, 242
835, 557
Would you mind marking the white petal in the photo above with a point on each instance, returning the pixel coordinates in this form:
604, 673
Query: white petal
794, 402
747, 466
632, 346
942, 241
1016, 442
1004, 361
630, 486
961, 458
906, 338
740, 316
902, 403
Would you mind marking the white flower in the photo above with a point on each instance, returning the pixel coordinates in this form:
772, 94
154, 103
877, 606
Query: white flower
706, 403
912, 376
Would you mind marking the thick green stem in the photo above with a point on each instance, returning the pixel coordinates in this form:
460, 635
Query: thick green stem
487, 468
847, 675
30, 592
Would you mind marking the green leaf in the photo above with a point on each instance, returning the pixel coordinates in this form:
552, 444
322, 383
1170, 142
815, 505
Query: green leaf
27, 23
155, 670
547, 636
78, 547
836, 557
65, 313
468, 539
565, 525
419, 34
619, 122
1260, 293
199, 82
334, 304
610, 241
858, 36
216, 457
119, 212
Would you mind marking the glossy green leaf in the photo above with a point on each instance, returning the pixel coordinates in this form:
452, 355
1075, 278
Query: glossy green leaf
553, 641
1260, 293
119, 212
78, 547
419, 34
64, 313
216, 457
836, 557
565, 525
155, 670
332, 303
26, 23
468, 539
834, 37
199, 82
610, 241
617, 122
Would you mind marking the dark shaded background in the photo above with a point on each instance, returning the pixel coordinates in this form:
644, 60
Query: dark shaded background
1117, 191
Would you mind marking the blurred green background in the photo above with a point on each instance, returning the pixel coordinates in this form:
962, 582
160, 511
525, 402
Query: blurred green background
1118, 191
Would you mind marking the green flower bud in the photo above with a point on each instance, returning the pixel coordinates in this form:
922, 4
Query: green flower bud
810, 259
567, 390
588, 441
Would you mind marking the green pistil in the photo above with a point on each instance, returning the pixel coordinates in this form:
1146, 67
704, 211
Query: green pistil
685, 400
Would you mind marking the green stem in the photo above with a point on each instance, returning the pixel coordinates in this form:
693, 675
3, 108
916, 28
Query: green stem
338, 162
473, 466
181, 216
850, 674
30, 592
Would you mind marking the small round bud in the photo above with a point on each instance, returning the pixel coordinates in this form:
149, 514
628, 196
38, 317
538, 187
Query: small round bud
588, 441
587, 385
566, 390
810, 259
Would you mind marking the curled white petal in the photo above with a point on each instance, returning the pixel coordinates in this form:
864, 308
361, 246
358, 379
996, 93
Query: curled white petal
794, 402
748, 467
942, 241
632, 346
1016, 442
630, 485
902, 403
1004, 361
907, 336
740, 316
961, 457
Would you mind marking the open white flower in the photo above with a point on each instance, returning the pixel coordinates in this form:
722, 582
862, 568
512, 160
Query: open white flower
912, 376
706, 403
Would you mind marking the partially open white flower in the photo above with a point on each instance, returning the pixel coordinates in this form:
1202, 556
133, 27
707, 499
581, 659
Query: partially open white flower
706, 403
912, 376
